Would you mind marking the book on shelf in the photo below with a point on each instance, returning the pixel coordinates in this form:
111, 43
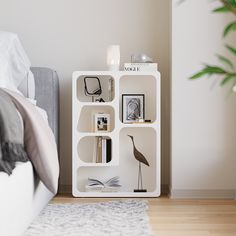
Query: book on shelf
108, 150
102, 152
99, 150
95, 150
111, 185
137, 67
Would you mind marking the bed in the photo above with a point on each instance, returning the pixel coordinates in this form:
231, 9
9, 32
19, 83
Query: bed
23, 195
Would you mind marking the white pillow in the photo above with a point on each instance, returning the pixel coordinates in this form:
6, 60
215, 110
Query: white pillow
14, 63
27, 87
31, 85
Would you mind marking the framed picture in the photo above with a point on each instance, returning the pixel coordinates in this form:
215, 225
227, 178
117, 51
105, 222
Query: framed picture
101, 122
133, 107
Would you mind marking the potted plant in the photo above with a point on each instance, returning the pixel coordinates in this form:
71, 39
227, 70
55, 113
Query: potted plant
226, 68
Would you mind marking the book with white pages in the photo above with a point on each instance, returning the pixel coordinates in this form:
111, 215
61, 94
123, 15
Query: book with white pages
99, 150
138, 67
104, 150
94, 160
95, 185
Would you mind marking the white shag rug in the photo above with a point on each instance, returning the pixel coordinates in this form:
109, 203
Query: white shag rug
116, 218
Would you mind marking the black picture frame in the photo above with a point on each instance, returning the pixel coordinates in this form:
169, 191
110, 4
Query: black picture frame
98, 91
139, 103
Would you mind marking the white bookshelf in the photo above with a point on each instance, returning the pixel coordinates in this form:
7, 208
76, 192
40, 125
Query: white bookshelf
146, 135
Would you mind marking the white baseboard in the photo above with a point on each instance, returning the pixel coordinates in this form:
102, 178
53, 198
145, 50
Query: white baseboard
202, 194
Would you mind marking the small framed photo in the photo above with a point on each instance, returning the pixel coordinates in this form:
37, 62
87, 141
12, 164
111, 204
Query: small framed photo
101, 122
133, 107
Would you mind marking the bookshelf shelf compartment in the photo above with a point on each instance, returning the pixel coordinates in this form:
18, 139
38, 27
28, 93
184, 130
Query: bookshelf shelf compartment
86, 121
146, 141
123, 163
107, 84
88, 147
104, 173
147, 85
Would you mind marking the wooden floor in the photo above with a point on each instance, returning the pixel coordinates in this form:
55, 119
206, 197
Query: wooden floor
183, 217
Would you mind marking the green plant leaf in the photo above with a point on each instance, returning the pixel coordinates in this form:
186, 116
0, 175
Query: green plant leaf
231, 49
221, 10
199, 75
208, 70
225, 61
214, 69
227, 79
232, 3
230, 27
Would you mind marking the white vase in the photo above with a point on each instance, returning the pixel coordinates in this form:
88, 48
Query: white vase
113, 57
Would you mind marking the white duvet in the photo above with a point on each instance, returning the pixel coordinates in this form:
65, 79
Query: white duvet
22, 195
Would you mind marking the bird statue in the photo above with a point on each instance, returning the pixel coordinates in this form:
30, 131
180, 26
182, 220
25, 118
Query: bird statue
141, 159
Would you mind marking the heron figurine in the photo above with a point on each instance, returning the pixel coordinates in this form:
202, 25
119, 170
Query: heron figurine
141, 159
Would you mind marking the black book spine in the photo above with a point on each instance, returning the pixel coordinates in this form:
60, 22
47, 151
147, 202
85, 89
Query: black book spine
109, 151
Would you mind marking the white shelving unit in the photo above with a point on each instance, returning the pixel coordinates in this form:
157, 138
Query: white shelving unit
146, 135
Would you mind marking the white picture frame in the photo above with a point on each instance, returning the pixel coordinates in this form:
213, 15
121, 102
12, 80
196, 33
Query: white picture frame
101, 123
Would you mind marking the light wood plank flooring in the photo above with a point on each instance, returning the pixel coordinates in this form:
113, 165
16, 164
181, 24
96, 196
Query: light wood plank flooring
182, 217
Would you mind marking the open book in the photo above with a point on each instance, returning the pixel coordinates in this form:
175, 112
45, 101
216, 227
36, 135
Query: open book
95, 185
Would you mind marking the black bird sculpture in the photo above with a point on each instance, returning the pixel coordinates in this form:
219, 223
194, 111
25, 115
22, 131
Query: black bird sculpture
141, 159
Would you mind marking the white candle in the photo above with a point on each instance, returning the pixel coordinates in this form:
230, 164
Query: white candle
113, 57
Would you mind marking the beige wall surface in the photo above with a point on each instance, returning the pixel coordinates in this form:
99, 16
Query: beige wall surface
73, 35
203, 117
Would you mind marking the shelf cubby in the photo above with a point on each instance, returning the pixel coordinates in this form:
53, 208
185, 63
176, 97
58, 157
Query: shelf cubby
107, 82
140, 84
145, 140
86, 149
86, 117
107, 172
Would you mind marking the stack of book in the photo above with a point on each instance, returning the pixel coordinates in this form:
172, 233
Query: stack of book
95, 185
138, 67
102, 150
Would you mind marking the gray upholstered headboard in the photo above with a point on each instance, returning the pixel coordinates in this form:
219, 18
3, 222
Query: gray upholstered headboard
47, 95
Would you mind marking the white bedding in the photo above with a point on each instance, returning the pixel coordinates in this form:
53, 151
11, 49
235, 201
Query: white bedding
41, 111
22, 197
14, 63
39, 142
22, 194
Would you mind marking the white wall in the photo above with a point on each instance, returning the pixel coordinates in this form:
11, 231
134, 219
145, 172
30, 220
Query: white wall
73, 35
203, 119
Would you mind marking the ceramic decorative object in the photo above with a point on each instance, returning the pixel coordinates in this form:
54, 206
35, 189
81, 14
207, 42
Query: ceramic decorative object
141, 159
141, 58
